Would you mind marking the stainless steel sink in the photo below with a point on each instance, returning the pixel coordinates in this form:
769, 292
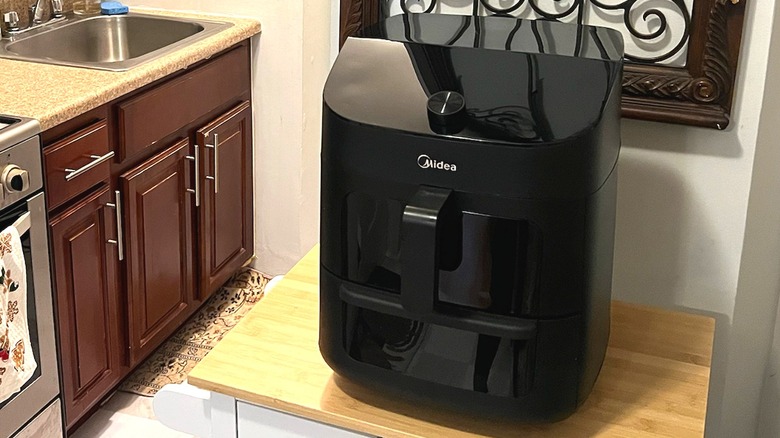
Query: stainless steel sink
116, 43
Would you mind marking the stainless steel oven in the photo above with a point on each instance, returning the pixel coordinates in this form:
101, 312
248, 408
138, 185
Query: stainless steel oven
22, 206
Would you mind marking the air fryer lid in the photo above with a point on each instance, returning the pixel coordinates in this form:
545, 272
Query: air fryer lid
522, 82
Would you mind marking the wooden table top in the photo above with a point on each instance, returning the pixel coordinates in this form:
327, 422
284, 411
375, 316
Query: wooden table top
654, 380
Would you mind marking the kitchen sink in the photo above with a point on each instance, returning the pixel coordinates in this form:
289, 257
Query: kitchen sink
108, 42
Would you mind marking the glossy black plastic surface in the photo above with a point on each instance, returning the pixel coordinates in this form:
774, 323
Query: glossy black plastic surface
512, 96
481, 261
440, 354
503, 34
536, 378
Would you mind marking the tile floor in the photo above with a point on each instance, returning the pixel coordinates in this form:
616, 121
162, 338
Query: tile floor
126, 415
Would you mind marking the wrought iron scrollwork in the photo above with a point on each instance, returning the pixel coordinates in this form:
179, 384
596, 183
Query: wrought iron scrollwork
630, 6
429, 9
497, 10
576, 6
632, 12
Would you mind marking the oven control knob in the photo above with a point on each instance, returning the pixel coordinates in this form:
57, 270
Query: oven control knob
15, 179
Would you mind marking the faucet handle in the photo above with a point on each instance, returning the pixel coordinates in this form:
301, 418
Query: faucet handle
34, 14
11, 20
56, 8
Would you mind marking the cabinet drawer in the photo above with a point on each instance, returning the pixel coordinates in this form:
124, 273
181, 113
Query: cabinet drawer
77, 163
153, 115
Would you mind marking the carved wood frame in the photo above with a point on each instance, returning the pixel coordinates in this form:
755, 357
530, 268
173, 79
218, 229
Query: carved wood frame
700, 94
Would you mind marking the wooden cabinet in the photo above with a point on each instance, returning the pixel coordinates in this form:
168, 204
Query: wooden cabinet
88, 307
225, 237
157, 218
158, 221
157, 113
77, 163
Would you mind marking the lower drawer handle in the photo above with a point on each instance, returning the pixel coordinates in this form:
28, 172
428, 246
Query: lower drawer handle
97, 159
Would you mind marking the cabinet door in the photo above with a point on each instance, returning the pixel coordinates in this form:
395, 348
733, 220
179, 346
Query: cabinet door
88, 305
225, 237
158, 226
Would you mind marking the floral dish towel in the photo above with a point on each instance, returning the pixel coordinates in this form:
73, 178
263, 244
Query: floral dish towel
17, 363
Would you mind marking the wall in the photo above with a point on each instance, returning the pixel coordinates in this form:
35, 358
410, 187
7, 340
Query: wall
292, 56
762, 243
769, 421
681, 233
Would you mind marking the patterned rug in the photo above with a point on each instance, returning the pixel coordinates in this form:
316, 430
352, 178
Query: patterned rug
178, 355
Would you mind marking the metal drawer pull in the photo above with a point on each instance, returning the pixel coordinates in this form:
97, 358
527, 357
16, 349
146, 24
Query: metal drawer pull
97, 159
215, 178
196, 159
119, 237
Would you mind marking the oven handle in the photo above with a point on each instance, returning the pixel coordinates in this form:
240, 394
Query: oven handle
46, 387
22, 224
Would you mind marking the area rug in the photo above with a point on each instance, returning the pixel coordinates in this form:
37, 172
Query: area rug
172, 361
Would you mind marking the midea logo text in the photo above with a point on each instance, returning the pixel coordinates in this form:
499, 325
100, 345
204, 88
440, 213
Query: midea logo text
426, 162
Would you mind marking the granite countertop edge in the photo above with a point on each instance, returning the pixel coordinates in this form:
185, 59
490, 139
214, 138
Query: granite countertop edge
54, 94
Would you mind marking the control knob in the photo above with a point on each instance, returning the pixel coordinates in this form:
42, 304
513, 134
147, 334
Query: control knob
447, 112
14, 178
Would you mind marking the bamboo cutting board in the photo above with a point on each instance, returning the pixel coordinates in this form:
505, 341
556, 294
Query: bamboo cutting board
654, 381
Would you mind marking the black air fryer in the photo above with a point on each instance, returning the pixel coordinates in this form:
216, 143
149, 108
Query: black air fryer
468, 211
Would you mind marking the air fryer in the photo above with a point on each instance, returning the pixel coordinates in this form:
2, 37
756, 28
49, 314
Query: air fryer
468, 208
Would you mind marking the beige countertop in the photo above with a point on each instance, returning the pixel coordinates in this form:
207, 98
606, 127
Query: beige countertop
654, 381
53, 94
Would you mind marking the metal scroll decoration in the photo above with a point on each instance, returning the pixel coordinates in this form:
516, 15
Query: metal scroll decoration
628, 6
632, 12
704, 38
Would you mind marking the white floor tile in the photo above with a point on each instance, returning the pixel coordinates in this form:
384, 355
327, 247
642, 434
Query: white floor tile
130, 404
108, 424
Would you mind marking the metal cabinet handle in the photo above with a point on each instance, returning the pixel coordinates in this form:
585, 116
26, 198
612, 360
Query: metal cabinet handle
215, 178
196, 159
97, 159
119, 242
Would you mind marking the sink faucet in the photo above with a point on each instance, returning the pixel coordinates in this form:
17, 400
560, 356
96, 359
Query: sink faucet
36, 11
11, 27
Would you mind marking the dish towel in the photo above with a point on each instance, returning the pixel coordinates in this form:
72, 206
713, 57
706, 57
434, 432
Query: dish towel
17, 363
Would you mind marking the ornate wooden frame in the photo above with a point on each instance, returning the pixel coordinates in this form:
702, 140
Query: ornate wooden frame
701, 93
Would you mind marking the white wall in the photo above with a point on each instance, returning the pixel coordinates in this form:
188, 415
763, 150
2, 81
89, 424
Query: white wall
291, 60
769, 421
762, 246
681, 233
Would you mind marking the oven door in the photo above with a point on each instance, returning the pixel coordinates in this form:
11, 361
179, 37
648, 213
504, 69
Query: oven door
30, 218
